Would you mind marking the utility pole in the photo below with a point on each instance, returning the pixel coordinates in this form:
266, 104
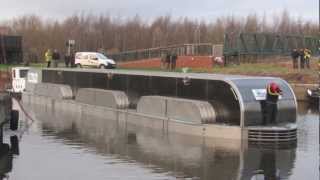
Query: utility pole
319, 60
197, 39
3, 47
319, 69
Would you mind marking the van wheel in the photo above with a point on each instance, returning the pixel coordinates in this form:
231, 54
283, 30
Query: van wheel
78, 65
102, 66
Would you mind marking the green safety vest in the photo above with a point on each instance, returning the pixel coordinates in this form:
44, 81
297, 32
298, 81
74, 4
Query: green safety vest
48, 56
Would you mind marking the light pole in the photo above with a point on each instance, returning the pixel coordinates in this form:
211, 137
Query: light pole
197, 35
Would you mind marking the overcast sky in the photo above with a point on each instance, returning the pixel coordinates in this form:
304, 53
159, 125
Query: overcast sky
201, 9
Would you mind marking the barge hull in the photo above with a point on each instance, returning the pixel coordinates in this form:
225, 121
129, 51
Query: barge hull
124, 117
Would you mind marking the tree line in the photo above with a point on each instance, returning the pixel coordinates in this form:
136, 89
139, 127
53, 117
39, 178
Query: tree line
115, 34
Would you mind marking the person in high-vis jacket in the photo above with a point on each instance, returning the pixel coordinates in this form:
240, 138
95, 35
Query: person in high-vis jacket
307, 57
48, 57
273, 93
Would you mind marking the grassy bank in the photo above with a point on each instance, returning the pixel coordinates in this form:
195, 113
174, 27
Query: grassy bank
283, 70
5, 67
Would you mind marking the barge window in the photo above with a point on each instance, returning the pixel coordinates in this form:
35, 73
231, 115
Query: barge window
69, 78
223, 100
163, 86
194, 89
23, 73
48, 76
137, 86
100, 80
83, 80
117, 82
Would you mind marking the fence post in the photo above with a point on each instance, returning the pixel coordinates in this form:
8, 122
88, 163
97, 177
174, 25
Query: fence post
213, 51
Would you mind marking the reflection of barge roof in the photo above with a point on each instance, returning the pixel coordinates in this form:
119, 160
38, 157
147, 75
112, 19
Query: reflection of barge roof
208, 76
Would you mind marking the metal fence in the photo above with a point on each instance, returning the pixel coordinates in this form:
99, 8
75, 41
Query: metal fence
247, 45
10, 49
202, 49
267, 44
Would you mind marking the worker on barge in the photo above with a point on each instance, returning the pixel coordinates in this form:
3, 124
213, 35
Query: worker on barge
273, 94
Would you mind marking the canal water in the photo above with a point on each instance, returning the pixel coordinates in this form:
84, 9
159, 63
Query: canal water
57, 146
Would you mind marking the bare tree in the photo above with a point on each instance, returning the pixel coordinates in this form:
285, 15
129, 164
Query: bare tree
115, 34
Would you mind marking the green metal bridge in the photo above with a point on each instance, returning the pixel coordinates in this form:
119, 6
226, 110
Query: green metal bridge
240, 47
267, 44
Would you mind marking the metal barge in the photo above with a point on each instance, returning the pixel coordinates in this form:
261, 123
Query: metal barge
209, 105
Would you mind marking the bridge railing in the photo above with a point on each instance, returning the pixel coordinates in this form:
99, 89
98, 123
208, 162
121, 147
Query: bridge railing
268, 44
202, 49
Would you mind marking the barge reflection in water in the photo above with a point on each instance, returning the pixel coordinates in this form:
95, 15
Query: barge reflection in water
60, 146
167, 157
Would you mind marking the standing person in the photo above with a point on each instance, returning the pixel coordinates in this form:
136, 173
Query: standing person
295, 56
174, 58
302, 60
307, 56
72, 59
67, 60
55, 58
168, 60
171, 61
268, 164
48, 57
273, 93
163, 60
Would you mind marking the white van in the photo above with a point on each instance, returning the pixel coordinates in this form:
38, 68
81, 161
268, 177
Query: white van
93, 59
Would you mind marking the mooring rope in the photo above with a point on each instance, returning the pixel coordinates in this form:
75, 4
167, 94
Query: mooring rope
23, 109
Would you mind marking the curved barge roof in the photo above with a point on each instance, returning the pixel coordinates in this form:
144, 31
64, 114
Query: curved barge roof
207, 76
244, 88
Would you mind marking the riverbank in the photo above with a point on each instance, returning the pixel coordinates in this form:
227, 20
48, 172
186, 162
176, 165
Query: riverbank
275, 67
283, 70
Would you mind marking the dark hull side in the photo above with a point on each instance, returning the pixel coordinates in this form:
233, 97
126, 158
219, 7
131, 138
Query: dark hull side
313, 96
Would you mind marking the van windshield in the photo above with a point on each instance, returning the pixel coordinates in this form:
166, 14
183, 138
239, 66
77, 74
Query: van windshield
101, 56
